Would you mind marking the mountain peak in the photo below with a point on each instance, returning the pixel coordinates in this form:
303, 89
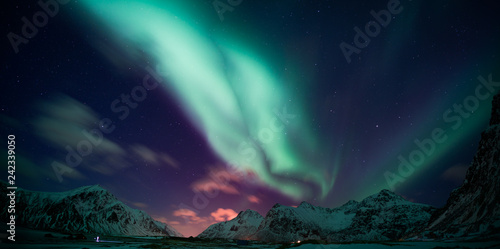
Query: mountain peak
277, 205
305, 204
249, 213
384, 197
89, 188
95, 187
87, 209
350, 204
387, 192
241, 227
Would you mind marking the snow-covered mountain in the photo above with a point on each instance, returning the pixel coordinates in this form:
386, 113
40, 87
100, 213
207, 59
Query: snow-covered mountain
474, 207
241, 227
383, 216
89, 209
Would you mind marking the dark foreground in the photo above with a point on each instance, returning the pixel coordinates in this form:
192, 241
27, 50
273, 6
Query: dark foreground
41, 240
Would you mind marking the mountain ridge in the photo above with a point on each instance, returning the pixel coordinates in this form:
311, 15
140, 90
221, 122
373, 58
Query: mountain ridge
240, 227
351, 221
87, 209
474, 207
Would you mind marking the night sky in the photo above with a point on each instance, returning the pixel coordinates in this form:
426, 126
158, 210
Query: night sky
194, 115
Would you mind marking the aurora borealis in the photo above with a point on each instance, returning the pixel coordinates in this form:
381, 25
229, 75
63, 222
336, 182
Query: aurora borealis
194, 115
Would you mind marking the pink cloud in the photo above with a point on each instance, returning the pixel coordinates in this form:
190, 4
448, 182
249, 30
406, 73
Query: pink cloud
185, 212
189, 215
210, 186
253, 199
222, 214
218, 179
194, 224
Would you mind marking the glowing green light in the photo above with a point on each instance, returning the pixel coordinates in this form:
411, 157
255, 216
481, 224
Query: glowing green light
227, 91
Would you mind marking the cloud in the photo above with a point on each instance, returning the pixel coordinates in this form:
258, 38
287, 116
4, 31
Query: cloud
217, 179
72, 128
455, 173
185, 212
194, 224
156, 158
210, 186
218, 215
36, 171
253, 199
165, 220
169, 160
222, 214
140, 204
189, 216
66, 122
145, 153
